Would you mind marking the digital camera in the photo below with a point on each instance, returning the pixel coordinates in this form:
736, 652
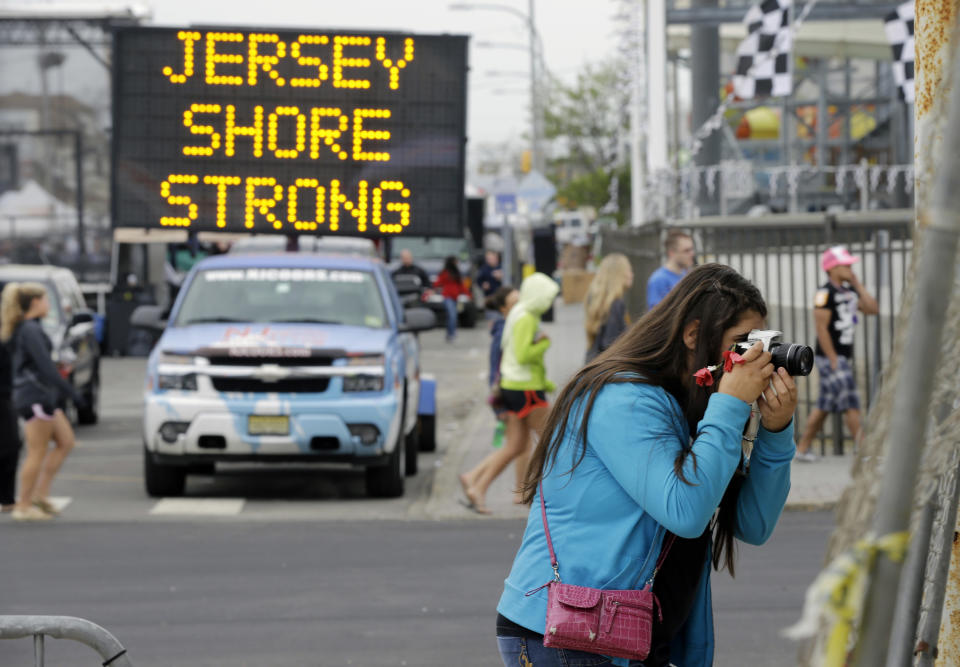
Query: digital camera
796, 358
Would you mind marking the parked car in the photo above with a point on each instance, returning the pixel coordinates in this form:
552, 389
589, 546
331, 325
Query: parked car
72, 330
284, 358
430, 253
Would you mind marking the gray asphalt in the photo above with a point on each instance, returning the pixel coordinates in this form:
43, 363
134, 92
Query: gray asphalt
310, 594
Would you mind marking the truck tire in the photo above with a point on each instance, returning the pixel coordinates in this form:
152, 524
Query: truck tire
412, 449
91, 414
428, 433
162, 481
468, 318
386, 481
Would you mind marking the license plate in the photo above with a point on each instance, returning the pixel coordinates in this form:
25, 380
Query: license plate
268, 425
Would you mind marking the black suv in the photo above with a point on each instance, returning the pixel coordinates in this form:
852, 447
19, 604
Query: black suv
71, 328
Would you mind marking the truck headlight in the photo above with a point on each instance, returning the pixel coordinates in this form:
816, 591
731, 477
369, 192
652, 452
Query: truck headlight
363, 383
182, 382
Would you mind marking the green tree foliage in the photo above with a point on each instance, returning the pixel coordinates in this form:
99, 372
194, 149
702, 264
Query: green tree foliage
586, 121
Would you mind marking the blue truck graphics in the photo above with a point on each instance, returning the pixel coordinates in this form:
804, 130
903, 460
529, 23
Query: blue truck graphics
285, 358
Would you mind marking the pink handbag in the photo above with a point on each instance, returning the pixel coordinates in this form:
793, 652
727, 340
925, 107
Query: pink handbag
616, 623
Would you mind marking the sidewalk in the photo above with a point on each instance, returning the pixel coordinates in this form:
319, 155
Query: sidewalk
814, 485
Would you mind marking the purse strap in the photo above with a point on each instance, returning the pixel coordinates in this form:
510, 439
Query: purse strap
553, 556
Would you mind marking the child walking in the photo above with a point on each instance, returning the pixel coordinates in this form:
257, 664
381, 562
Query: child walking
523, 387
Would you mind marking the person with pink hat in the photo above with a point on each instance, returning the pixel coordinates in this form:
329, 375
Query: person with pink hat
835, 316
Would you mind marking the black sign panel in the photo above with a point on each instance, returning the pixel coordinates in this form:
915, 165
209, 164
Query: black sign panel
289, 132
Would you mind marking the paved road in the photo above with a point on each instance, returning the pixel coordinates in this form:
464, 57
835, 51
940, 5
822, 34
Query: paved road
318, 594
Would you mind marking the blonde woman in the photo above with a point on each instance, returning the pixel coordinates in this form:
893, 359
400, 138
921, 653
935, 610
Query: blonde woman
39, 394
606, 312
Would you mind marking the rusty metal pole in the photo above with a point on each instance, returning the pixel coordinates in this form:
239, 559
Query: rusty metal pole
936, 43
938, 209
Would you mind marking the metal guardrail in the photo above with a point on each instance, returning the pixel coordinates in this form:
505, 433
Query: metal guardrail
65, 627
781, 255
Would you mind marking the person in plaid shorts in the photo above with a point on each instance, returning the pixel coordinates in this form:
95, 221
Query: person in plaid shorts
835, 315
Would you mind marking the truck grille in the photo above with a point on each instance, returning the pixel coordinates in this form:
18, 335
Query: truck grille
293, 385
276, 361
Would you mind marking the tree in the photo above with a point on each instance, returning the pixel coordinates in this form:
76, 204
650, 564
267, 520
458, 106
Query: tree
587, 123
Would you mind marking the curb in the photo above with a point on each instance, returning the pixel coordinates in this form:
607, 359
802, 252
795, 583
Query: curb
810, 505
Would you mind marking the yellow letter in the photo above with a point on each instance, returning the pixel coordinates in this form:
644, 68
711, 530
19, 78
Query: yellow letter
178, 200
201, 129
339, 62
309, 61
292, 216
213, 58
357, 210
188, 38
272, 122
262, 204
329, 135
403, 208
255, 130
222, 182
359, 134
256, 60
394, 65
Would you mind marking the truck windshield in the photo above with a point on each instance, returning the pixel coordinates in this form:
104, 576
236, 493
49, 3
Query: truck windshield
328, 296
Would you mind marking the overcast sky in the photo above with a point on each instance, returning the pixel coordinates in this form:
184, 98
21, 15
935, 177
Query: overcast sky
574, 32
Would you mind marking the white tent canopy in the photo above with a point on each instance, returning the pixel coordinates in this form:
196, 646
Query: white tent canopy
32, 210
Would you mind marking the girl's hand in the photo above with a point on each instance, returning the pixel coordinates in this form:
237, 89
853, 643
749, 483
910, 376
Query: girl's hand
778, 401
747, 380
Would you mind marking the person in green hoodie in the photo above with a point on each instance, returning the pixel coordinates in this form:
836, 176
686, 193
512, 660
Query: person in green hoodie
523, 387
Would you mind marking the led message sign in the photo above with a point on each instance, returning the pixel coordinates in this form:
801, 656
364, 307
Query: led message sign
289, 131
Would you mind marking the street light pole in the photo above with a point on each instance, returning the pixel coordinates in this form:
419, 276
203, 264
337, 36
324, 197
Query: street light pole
536, 108
535, 102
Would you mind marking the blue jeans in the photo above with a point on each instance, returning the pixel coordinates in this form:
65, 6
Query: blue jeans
520, 652
451, 306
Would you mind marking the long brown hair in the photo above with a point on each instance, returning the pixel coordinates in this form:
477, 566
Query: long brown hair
608, 285
652, 351
14, 303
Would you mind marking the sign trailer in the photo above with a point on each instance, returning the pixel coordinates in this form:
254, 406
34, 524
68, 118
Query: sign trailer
289, 131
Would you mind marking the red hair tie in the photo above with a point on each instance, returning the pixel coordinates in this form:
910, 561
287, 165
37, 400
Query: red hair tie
704, 376
729, 359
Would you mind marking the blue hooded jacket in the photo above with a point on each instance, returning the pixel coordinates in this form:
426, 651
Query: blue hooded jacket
608, 517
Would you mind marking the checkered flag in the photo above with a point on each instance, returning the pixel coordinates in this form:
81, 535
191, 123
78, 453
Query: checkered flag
763, 58
899, 27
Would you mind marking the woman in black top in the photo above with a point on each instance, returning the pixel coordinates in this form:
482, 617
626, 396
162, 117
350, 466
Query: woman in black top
9, 434
39, 394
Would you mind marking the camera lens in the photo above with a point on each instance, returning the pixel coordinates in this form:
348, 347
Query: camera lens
796, 358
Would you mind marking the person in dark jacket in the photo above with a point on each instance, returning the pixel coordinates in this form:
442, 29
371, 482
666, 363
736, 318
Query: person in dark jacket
606, 311
9, 434
40, 393
490, 275
409, 268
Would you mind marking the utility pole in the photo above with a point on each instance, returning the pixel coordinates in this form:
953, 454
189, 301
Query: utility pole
938, 209
657, 161
536, 104
637, 160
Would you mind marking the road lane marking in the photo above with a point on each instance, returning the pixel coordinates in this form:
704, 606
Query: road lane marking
198, 506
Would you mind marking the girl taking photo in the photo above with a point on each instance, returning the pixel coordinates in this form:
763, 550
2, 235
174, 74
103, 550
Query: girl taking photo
39, 395
635, 461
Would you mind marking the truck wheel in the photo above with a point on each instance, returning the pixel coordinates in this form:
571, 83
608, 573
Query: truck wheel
468, 318
91, 414
387, 481
162, 481
428, 433
412, 449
